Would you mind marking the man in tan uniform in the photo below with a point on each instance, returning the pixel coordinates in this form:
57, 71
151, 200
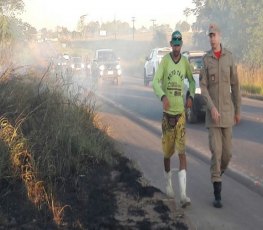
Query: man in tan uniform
220, 87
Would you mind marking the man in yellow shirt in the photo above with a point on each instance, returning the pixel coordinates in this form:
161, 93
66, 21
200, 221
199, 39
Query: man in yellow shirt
168, 85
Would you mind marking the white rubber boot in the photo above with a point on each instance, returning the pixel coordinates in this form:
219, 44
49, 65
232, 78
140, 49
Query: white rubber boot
184, 200
169, 185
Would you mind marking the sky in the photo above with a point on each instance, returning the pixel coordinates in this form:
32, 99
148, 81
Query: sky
52, 13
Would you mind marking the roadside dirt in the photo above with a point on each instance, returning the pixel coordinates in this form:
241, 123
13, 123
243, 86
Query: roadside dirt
107, 198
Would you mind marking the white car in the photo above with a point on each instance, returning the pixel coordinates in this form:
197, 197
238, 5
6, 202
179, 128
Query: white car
152, 62
198, 109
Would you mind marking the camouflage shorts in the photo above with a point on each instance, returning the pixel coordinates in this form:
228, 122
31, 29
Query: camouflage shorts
173, 134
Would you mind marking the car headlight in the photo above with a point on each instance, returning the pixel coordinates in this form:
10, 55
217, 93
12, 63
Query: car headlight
102, 67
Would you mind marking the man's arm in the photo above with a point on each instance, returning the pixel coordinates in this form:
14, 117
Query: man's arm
203, 85
190, 79
204, 91
158, 80
235, 90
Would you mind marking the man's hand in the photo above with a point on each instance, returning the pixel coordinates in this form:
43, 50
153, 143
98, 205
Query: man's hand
189, 102
237, 119
166, 104
215, 115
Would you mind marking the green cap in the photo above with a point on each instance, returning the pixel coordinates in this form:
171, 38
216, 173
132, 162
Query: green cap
176, 39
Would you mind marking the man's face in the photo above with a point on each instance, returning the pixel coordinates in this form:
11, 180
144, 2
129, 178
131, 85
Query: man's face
214, 39
176, 50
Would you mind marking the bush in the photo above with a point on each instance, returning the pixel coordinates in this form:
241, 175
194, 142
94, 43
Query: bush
58, 124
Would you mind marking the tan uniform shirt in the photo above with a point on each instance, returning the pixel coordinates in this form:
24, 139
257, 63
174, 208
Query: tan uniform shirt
220, 87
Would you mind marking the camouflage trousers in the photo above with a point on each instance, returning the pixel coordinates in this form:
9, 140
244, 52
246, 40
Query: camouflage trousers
173, 134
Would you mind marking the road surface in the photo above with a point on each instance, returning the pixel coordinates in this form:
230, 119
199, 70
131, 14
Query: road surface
133, 113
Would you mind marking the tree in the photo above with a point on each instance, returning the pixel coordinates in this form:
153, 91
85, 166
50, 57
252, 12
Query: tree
241, 23
116, 27
11, 7
159, 39
8, 10
93, 28
63, 34
182, 26
22, 31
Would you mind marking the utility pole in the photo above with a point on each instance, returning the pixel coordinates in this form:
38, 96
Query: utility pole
153, 21
82, 25
115, 27
133, 19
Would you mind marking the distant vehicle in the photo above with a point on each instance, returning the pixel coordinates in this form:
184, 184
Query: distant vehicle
77, 64
152, 62
106, 66
66, 57
63, 60
197, 112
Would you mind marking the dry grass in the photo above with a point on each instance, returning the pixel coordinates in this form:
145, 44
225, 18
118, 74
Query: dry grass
23, 165
52, 136
251, 80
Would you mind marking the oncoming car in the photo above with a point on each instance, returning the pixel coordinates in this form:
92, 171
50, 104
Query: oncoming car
197, 112
106, 66
152, 62
77, 64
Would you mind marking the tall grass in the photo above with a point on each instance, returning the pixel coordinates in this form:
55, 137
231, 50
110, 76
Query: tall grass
57, 137
251, 80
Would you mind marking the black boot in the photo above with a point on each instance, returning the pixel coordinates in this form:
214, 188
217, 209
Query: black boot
217, 192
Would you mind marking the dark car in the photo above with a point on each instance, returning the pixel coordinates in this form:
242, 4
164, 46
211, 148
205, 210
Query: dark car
106, 66
76, 63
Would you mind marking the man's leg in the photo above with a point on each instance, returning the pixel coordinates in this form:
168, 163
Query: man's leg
180, 146
182, 161
168, 150
215, 144
167, 164
184, 199
227, 148
168, 178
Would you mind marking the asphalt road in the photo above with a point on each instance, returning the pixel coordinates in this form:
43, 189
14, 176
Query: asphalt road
134, 113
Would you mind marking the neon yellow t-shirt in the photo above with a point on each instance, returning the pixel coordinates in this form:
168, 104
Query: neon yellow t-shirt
169, 81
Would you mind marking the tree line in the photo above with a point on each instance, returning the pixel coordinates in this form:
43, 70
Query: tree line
241, 24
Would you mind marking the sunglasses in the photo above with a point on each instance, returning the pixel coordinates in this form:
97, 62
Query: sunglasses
177, 38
